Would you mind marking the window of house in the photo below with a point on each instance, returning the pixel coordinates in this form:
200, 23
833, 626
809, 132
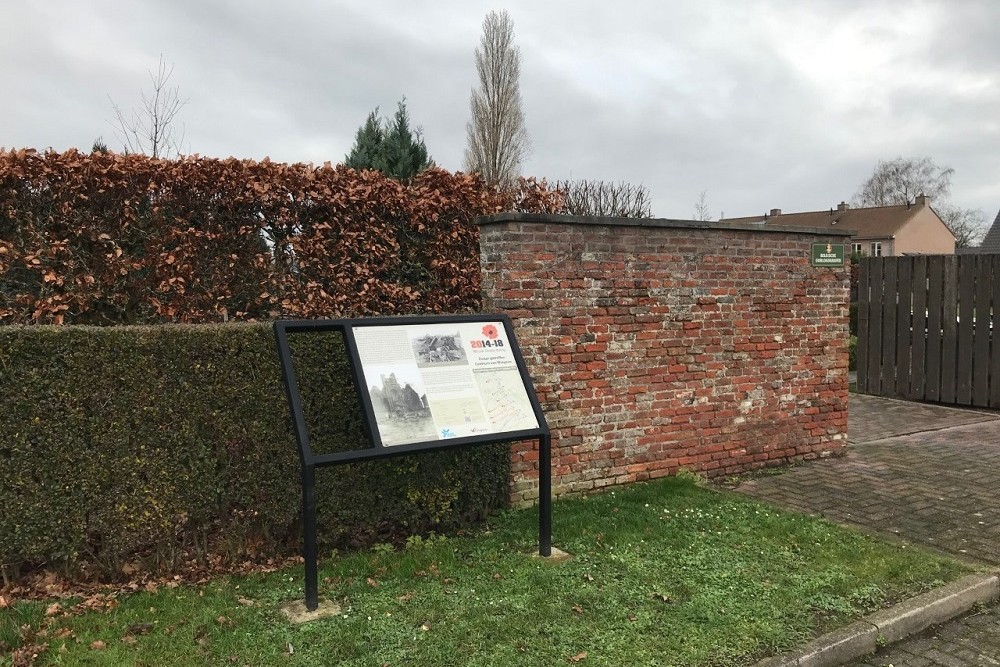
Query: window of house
877, 249
856, 249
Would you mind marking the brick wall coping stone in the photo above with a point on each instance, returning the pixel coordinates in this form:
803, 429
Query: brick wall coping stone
654, 222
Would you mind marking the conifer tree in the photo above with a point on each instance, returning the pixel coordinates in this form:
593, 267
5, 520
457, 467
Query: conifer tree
367, 144
391, 147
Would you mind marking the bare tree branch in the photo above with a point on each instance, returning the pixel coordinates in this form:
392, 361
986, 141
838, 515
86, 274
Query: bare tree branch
601, 198
151, 128
701, 211
899, 181
498, 141
967, 224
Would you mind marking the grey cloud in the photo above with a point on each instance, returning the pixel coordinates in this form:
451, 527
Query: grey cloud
681, 96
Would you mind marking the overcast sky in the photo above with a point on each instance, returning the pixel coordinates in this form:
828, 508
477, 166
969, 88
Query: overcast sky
761, 103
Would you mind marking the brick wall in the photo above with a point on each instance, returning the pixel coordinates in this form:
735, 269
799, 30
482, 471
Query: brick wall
657, 345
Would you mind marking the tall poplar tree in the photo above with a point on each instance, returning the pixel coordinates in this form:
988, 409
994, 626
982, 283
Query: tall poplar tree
498, 141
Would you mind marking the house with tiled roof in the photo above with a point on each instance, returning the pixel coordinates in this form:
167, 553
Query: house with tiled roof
991, 242
881, 231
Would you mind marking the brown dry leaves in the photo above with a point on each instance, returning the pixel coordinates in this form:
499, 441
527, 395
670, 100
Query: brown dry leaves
127, 239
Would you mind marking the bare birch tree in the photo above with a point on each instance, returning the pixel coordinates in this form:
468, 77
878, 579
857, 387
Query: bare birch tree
150, 128
899, 181
497, 139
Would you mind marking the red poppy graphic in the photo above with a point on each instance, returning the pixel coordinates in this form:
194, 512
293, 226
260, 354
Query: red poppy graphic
490, 331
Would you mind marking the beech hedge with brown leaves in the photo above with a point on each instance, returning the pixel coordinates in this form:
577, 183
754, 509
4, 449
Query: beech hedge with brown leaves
107, 239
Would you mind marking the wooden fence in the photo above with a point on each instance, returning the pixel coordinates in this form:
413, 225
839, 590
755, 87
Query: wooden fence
925, 328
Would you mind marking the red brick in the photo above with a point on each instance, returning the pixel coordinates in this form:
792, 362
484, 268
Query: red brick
724, 351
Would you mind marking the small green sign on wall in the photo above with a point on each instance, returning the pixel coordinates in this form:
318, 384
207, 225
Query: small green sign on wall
827, 254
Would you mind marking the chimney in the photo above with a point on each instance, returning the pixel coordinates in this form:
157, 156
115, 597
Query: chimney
843, 206
775, 211
922, 200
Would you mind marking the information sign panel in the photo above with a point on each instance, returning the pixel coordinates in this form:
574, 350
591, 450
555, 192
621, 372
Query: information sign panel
438, 381
425, 383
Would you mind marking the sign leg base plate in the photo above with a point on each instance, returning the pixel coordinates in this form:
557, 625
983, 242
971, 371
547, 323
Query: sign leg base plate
296, 612
558, 556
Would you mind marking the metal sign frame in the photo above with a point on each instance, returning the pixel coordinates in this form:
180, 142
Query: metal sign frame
376, 449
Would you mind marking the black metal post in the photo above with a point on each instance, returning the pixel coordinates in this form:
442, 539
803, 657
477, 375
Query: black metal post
309, 536
545, 495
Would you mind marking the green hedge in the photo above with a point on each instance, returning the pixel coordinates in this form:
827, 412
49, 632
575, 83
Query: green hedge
146, 442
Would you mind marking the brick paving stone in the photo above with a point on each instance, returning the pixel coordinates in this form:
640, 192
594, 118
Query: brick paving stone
873, 418
926, 474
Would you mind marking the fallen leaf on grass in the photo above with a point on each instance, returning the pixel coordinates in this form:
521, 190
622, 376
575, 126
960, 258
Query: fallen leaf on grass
577, 609
129, 639
405, 598
225, 621
246, 602
98, 645
662, 598
53, 609
578, 657
588, 577
425, 626
139, 629
3, 602
26, 655
372, 582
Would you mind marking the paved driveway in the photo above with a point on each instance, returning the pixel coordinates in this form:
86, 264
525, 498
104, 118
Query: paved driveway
927, 474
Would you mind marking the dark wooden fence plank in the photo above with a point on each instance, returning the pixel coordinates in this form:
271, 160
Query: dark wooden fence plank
935, 296
874, 342
889, 292
949, 329
983, 322
918, 378
925, 328
864, 304
904, 323
966, 328
995, 332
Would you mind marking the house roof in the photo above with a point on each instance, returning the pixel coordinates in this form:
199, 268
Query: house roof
991, 242
876, 222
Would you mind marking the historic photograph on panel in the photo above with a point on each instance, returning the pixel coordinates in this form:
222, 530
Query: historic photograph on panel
439, 350
399, 401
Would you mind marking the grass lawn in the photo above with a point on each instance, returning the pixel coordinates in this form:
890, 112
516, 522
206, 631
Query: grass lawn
666, 573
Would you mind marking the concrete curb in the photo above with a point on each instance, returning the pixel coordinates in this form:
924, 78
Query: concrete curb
888, 626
